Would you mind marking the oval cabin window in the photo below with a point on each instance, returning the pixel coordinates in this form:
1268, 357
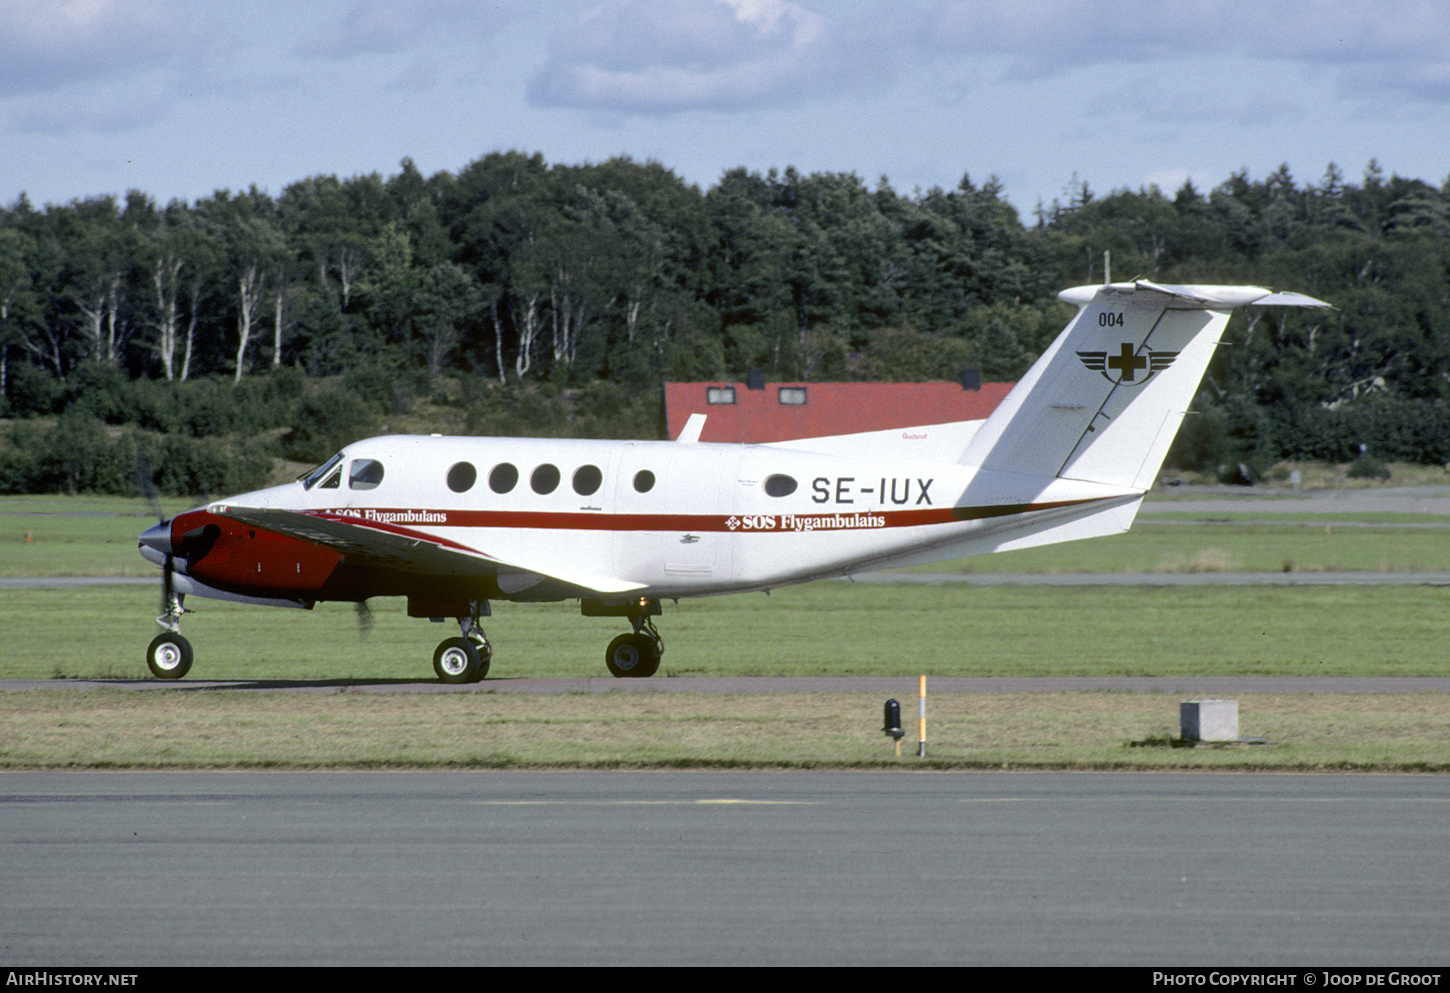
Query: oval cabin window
779, 486
644, 481
587, 479
503, 478
545, 479
462, 477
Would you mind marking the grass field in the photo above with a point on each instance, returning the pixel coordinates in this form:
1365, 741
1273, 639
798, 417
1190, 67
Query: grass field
828, 628
121, 729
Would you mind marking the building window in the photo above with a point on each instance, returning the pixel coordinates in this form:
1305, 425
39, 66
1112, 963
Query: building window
793, 396
719, 394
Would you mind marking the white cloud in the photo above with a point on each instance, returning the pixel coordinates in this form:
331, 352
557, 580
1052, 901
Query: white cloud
649, 56
48, 44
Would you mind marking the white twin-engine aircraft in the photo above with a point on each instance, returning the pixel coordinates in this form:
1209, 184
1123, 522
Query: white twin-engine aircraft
452, 523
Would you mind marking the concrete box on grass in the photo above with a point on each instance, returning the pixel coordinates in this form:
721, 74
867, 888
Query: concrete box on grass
1209, 720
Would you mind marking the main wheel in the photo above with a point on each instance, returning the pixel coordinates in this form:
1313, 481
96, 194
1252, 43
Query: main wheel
457, 661
633, 655
169, 656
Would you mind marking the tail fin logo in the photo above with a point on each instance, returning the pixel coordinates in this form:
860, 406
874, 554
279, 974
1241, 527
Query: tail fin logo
1126, 365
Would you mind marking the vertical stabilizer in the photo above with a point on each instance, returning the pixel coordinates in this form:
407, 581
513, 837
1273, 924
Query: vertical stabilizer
1105, 401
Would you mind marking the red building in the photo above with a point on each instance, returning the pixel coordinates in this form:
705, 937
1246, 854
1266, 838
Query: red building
784, 411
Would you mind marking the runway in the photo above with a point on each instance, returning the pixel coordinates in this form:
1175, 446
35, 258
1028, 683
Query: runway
720, 868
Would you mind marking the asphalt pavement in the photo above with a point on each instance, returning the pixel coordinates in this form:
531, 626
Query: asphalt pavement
724, 868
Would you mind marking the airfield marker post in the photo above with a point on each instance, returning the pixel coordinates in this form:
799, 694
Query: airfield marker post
921, 719
892, 725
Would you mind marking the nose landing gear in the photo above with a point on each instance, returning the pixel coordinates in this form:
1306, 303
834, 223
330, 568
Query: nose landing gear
169, 654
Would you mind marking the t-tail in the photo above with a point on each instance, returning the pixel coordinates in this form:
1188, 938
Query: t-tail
1104, 402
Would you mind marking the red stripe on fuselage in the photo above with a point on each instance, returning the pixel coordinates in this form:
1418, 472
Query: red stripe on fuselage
406, 522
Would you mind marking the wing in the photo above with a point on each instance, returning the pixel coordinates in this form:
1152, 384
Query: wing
407, 550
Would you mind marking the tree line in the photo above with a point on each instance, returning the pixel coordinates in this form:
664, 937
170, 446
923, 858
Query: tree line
516, 275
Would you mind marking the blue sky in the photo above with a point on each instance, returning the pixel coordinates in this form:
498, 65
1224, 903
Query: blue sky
181, 97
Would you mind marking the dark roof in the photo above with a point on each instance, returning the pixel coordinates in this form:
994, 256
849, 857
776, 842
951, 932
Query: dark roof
829, 408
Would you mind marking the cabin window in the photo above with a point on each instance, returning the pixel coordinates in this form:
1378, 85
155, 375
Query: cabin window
310, 478
644, 481
503, 478
587, 479
545, 479
365, 474
793, 396
779, 485
719, 394
462, 477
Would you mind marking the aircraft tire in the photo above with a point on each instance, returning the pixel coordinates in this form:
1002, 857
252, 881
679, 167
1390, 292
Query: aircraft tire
632, 656
169, 656
457, 661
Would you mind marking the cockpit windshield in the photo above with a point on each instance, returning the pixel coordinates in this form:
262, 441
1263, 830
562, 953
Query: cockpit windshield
311, 477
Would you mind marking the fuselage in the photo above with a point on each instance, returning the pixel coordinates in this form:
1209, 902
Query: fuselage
549, 519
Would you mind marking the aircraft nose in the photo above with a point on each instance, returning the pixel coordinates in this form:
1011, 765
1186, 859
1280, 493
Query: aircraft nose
157, 538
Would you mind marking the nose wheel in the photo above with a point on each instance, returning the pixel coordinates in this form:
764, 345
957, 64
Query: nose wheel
169, 656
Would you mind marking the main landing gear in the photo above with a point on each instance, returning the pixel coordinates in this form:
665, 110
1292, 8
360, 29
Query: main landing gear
465, 659
635, 655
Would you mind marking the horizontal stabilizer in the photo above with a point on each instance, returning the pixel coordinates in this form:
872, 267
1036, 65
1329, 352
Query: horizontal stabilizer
1289, 300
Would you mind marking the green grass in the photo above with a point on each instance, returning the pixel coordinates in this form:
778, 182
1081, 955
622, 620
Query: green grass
830, 628
1228, 547
75, 536
118, 729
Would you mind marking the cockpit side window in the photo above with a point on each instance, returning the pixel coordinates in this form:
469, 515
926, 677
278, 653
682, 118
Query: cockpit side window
365, 474
311, 477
